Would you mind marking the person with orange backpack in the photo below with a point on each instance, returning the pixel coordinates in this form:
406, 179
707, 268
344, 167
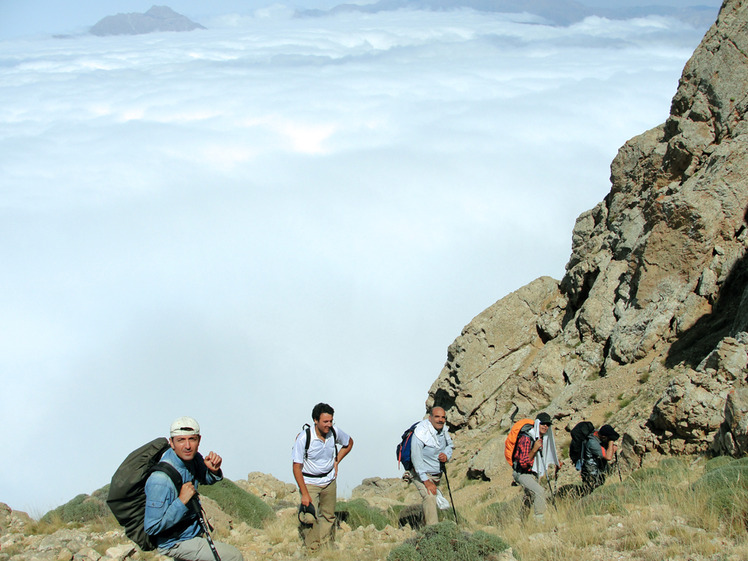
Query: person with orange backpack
531, 456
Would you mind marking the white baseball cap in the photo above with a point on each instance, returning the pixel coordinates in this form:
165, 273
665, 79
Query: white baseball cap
184, 426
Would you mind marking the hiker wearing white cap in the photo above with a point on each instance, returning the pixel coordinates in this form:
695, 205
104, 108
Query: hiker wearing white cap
172, 516
315, 458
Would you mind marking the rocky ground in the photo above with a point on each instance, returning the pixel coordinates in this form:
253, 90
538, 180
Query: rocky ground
645, 528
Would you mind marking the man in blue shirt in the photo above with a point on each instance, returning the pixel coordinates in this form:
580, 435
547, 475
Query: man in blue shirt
171, 517
430, 448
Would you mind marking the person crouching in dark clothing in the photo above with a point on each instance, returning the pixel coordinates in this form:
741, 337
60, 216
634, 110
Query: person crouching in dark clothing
598, 450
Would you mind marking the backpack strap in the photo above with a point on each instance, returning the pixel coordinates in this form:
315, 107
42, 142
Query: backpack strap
523, 432
176, 479
335, 442
308, 431
171, 471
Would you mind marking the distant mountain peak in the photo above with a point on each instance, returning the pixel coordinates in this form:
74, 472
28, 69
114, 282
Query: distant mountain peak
158, 18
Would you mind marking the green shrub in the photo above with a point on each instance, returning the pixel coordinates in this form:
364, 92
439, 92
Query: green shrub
404, 552
648, 474
718, 462
604, 500
731, 476
445, 541
501, 514
361, 514
675, 466
645, 492
725, 493
394, 511
237, 502
81, 509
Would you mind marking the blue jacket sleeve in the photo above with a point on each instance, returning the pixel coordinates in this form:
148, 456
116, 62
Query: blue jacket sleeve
163, 508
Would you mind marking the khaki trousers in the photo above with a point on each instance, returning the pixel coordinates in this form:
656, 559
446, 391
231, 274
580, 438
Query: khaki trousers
534, 492
430, 512
324, 499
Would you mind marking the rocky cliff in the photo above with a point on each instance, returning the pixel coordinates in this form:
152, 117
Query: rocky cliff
648, 327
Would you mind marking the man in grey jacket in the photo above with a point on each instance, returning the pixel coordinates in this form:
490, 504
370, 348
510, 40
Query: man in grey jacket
599, 449
430, 448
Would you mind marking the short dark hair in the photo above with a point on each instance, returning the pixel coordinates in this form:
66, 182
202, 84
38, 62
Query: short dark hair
321, 408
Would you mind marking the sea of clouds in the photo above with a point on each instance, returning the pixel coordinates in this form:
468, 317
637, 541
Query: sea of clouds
238, 223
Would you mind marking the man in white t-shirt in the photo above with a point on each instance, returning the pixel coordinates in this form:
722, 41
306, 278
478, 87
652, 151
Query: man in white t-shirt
315, 466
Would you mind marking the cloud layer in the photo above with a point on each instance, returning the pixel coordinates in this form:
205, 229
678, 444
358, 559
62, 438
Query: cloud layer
237, 223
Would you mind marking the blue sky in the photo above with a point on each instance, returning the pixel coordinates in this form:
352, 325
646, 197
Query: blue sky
237, 223
25, 17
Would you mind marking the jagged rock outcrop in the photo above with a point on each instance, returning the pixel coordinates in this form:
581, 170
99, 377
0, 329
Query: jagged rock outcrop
648, 326
158, 18
269, 488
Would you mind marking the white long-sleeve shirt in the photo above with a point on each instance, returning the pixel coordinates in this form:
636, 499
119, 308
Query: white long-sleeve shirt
426, 446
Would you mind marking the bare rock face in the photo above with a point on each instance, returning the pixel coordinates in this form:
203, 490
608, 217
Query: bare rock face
268, 488
482, 362
647, 329
384, 493
11, 520
158, 18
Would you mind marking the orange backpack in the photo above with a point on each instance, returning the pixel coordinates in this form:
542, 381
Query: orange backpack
511, 439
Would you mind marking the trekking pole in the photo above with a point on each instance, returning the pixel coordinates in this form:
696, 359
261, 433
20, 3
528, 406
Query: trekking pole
548, 478
204, 525
619, 468
553, 483
451, 500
